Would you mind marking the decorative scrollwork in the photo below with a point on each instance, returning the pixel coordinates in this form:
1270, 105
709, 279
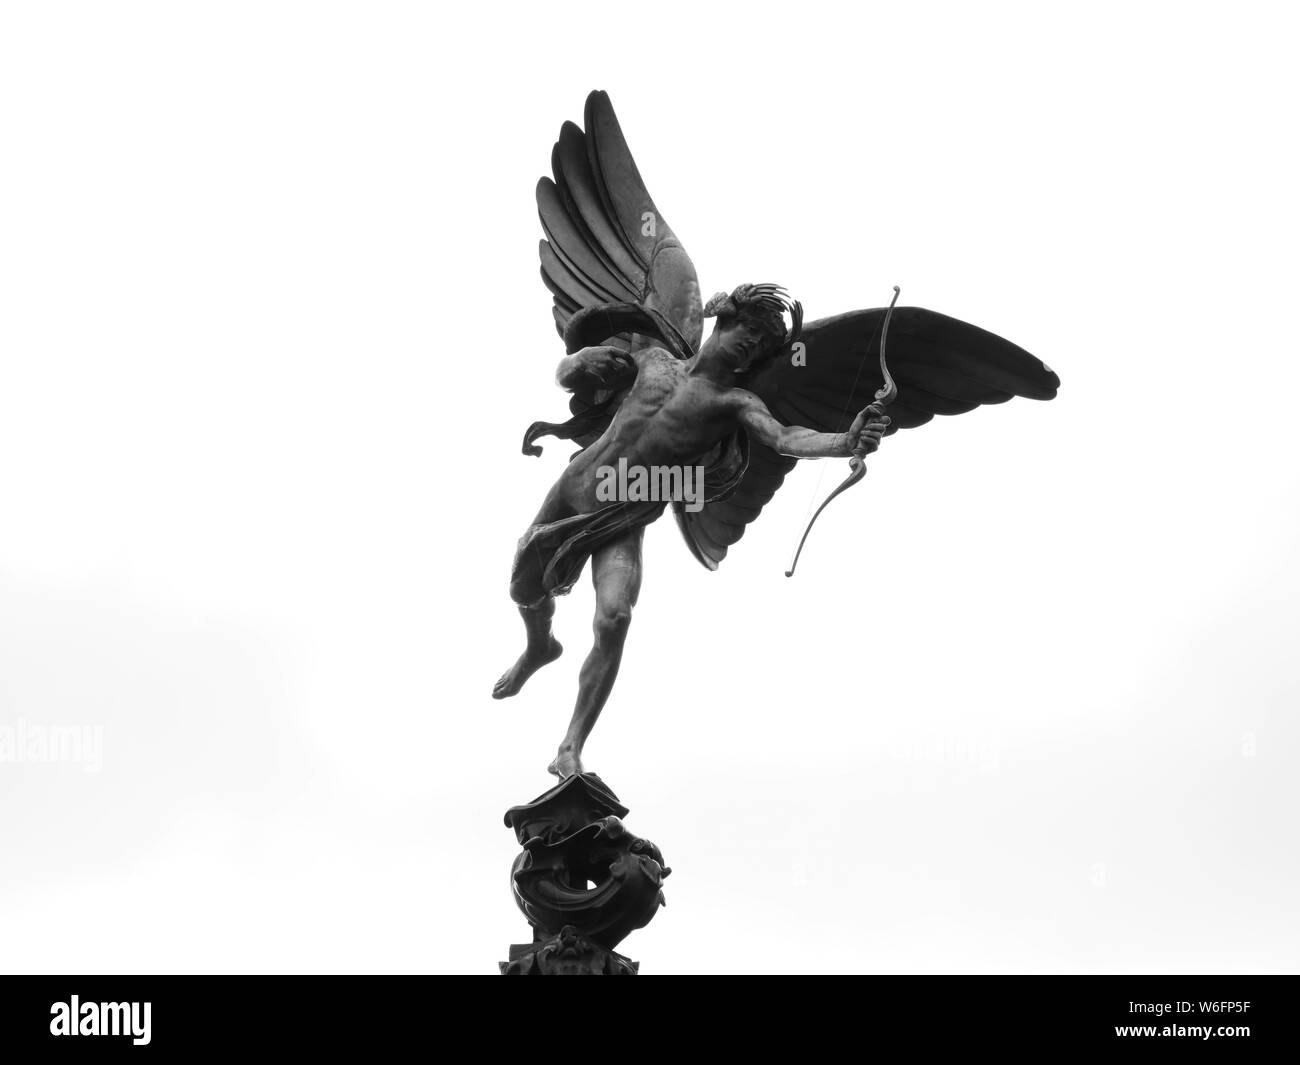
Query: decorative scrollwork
583, 881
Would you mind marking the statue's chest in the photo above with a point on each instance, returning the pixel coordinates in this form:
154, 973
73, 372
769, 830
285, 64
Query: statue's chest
661, 379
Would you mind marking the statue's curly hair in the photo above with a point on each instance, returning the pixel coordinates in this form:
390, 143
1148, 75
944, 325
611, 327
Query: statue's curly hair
765, 304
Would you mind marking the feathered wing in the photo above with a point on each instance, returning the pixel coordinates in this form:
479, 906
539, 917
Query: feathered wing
941, 366
608, 248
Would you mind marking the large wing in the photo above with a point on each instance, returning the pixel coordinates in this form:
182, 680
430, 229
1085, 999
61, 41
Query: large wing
941, 366
606, 241
608, 244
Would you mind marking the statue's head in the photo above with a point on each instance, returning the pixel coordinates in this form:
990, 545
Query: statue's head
751, 323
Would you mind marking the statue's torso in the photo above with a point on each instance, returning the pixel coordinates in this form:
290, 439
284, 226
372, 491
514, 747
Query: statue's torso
668, 418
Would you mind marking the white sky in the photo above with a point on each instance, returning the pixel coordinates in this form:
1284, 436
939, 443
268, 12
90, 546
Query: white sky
271, 330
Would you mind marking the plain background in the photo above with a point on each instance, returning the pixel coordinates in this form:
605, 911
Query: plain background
270, 332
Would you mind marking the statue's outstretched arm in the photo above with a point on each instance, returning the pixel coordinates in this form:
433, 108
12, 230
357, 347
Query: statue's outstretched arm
796, 442
602, 366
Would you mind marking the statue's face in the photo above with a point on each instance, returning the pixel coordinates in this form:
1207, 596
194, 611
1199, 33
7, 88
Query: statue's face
750, 342
742, 342
742, 339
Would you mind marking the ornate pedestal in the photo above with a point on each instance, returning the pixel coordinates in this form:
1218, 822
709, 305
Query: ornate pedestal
583, 881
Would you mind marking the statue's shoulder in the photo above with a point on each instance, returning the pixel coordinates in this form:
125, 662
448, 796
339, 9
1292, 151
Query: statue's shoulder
658, 361
654, 352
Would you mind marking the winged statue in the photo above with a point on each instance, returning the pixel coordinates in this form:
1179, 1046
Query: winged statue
710, 428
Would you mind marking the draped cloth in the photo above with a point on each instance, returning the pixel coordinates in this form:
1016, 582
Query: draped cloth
551, 555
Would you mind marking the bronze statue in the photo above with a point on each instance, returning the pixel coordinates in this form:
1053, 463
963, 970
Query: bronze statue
720, 424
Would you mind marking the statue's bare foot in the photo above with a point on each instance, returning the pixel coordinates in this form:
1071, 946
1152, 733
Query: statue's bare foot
566, 764
529, 663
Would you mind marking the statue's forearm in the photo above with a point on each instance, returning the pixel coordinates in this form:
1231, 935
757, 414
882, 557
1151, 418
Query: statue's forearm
799, 443
568, 374
603, 365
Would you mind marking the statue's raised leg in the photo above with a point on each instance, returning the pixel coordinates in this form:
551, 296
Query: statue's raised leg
542, 647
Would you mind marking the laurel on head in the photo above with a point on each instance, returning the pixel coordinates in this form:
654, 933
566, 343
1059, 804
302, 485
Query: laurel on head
764, 304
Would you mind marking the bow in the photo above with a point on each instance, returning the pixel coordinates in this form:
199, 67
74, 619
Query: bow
857, 464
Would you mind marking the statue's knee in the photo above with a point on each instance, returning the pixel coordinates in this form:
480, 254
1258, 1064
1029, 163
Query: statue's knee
612, 622
526, 593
